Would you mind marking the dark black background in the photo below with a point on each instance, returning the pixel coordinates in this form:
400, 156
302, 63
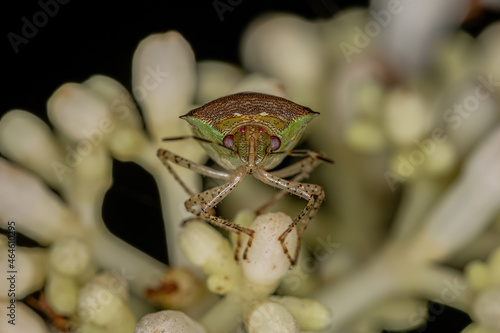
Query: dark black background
96, 37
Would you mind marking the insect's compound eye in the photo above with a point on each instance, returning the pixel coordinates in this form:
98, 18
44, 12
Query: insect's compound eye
228, 141
275, 142
243, 130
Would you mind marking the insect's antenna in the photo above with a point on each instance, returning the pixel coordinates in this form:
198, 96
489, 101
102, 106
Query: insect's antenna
177, 138
302, 153
327, 160
184, 137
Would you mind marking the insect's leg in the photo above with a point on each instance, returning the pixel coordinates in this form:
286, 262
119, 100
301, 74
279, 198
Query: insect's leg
312, 160
202, 204
166, 156
314, 195
304, 153
300, 169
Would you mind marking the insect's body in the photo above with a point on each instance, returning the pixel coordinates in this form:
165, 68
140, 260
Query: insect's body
260, 117
249, 133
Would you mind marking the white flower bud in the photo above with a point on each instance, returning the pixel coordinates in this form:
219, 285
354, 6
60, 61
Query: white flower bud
103, 306
482, 276
365, 136
269, 317
30, 263
288, 48
168, 321
477, 275
62, 293
216, 79
221, 284
27, 140
93, 174
25, 198
120, 102
126, 143
163, 77
442, 159
267, 262
309, 313
128, 138
79, 113
405, 117
261, 84
338, 30
27, 320
117, 284
369, 95
486, 308
206, 248
70, 256
284, 46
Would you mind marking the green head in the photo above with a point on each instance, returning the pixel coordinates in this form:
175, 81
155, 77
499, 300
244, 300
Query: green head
248, 127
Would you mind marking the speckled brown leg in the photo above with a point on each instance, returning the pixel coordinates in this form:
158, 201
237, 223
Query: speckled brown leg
208, 199
300, 169
166, 156
201, 205
314, 195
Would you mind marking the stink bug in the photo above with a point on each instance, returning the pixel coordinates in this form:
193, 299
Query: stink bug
250, 133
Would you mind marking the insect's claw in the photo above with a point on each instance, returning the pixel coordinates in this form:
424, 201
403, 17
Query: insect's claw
292, 261
245, 254
249, 244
